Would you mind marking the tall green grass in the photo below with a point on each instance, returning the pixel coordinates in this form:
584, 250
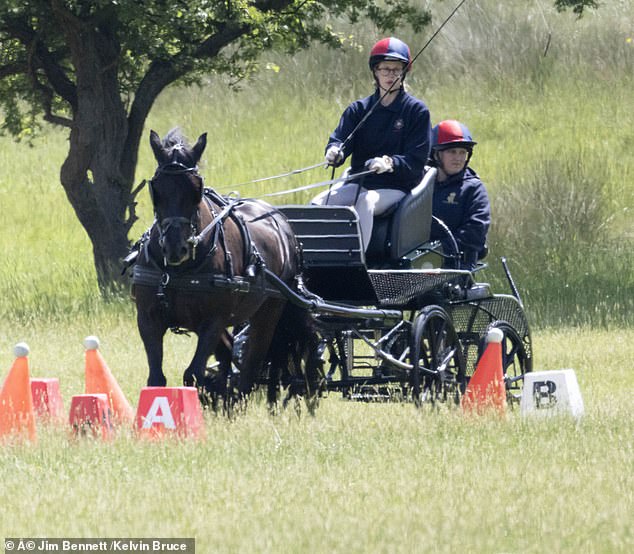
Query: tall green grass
555, 149
356, 478
554, 131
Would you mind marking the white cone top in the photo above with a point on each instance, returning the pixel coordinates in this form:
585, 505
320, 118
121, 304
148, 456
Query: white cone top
91, 343
495, 335
21, 349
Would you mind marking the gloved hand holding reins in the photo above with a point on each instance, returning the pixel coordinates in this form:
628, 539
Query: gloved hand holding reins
382, 164
334, 156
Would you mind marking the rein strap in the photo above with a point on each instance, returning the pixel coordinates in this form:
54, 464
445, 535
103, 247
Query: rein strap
215, 221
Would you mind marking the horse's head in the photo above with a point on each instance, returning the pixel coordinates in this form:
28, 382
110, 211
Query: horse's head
176, 190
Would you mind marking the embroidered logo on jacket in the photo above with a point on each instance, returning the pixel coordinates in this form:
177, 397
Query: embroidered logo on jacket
451, 198
398, 124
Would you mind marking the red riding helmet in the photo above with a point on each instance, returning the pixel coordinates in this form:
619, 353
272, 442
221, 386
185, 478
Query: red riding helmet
390, 50
451, 134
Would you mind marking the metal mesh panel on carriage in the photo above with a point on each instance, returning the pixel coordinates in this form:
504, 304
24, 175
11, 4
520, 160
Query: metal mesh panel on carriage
333, 260
414, 288
472, 318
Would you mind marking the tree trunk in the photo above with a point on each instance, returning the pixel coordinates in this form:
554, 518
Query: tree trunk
98, 173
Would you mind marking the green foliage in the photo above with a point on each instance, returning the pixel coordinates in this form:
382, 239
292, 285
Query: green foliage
193, 39
568, 255
577, 6
555, 148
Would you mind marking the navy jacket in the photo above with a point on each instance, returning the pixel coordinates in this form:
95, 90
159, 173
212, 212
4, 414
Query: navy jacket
462, 203
401, 130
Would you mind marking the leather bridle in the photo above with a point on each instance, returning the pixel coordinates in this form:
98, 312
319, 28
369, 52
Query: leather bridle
163, 225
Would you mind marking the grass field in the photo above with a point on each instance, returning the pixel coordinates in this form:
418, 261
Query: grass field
555, 148
355, 478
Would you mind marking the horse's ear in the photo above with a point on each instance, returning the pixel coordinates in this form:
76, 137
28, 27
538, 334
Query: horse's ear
157, 148
199, 147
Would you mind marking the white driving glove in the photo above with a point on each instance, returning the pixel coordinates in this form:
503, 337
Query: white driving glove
382, 164
334, 155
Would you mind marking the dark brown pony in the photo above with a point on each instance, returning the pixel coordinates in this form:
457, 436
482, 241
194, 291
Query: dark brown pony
201, 268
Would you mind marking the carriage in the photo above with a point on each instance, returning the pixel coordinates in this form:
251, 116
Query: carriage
398, 321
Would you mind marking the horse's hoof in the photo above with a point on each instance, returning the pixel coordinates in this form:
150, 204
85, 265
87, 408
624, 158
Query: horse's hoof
207, 400
188, 380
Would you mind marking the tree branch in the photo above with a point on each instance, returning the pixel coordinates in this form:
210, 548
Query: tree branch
56, 119
272, 5
17, 68
41, 58
163, 73
224, 36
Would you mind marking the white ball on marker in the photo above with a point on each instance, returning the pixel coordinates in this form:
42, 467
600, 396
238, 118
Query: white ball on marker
91, 343
495, 335
21, 349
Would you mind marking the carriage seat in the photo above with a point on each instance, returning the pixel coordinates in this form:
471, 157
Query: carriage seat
403, 228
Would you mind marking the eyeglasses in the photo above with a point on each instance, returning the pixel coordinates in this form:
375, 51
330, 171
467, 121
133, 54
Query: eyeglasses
385, 71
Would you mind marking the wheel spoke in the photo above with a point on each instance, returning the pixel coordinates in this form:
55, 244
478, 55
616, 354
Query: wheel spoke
436, 356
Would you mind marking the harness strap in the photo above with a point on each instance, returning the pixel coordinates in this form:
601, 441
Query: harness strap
163, 278
253, 260
211, 196
203, 282
227, 254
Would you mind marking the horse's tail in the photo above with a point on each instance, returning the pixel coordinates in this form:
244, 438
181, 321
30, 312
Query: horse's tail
295, 352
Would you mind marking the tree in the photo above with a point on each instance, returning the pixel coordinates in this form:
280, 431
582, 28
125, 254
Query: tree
97, 66
577, 6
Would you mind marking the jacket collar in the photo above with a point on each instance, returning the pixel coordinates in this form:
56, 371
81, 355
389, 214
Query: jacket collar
396, 103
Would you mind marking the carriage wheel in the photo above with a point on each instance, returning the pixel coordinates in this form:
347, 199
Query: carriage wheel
439, 368
515, 360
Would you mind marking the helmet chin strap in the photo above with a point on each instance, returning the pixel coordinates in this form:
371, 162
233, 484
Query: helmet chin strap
392, 89
441, 166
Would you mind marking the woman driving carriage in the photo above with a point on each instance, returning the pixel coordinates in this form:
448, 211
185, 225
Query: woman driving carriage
460, 198
387, 133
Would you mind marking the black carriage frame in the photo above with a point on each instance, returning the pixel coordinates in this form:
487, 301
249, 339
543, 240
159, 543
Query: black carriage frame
402, 329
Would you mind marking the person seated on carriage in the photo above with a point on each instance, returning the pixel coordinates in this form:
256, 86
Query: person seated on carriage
387, 133
460, 199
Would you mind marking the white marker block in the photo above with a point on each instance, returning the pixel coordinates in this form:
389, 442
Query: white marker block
548, 393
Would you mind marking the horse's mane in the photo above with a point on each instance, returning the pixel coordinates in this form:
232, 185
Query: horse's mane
177, 146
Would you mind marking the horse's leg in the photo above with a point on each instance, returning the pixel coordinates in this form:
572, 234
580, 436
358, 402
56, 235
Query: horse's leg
262, 326
208, 338
220, 386
296, 330
277, 359
152, 332
314, 370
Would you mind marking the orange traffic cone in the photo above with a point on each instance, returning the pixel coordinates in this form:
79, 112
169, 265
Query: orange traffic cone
99, 379
16, 402
486, 388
